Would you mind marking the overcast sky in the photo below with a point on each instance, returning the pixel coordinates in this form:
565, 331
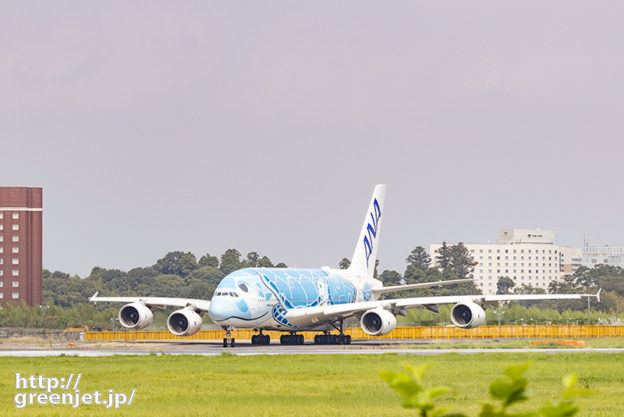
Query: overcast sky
202, 126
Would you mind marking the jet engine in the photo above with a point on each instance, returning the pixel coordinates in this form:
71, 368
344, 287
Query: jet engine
184, 322
378, 322
467, 315
135, 316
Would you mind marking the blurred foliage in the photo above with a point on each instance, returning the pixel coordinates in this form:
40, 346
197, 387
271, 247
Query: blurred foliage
505, 392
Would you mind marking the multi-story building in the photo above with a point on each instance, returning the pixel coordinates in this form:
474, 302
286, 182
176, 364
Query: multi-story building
21, 244
571, 259
608, 255
527, 256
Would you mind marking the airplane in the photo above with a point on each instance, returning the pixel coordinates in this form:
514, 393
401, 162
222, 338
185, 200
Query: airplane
320, 300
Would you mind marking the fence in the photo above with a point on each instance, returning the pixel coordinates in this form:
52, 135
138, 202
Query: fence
416, 332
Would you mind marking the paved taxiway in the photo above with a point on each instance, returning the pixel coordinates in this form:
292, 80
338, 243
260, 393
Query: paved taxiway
245, 349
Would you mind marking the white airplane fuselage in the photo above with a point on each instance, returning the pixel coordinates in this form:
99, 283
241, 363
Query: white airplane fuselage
259, 298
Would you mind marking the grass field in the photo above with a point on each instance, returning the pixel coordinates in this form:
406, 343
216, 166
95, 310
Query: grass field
597, 343
302, 385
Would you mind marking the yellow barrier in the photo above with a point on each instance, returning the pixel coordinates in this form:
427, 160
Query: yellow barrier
416, 332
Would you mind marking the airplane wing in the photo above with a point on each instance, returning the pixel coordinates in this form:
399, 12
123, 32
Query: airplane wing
315, 314
394, 288
202, 305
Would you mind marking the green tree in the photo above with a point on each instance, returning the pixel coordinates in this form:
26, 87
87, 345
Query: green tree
344, 263
252, 260
419, 258
443, 257
462, 264
418, 265
230, 261
389, 277
176, 263
504, 285
208, 260
414, 274
265, 262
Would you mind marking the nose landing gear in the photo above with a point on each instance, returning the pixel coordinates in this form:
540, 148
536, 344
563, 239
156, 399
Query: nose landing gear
228, 340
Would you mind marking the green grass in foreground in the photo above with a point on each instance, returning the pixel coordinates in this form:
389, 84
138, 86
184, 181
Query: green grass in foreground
596, 343
306, 385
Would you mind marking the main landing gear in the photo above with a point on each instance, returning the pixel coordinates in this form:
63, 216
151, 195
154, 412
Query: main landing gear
260, 339
228, 340
291, 339
332, 339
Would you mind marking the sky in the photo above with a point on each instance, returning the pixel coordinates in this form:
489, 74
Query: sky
199, 126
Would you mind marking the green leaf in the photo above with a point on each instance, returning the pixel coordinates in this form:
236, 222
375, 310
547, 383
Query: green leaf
487, 410
570, 393
516, 372
417, 371
501, 389
438, 391
569, 381
563, 409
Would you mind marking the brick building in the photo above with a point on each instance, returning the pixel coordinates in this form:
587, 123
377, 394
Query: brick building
21, 267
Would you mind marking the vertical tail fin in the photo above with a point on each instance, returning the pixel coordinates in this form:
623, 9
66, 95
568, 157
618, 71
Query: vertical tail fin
365, 255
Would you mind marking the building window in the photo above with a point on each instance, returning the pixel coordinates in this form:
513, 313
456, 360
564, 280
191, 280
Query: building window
1, 226
1, 272
15, 272
15, 261
1, 249
15, 227
1, 215
15, 249
1, 284
15, 284
15, 295
15, 215
15, 238
1, 238
1, 261
1, 296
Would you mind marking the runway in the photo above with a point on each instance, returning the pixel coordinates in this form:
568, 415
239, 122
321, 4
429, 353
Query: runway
216, 349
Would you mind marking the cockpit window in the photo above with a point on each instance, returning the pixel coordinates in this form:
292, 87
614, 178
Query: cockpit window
226, 294
243, 287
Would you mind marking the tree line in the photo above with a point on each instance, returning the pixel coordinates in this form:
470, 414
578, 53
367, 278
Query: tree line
180, 274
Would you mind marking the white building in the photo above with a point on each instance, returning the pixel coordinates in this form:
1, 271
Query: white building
608, 255
527, 256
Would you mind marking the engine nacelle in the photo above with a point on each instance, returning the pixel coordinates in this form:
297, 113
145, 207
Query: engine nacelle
184, 322
135, 316
467, 315
378, 322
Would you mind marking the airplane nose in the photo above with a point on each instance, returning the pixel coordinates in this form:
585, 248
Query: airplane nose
221, 309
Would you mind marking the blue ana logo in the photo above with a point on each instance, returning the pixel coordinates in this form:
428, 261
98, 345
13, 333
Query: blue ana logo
371, 230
